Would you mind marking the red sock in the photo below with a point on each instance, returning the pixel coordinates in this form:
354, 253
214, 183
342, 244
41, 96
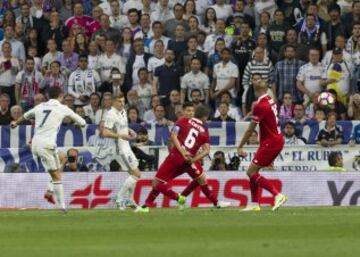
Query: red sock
191, 187
254, 190
149, 202
264, 183
206, 190
165, 189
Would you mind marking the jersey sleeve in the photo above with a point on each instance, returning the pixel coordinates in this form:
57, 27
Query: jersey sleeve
75, 117
258, 114
177, 126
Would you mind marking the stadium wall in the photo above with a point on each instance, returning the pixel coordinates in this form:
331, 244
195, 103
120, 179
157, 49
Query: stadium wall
292, 158
95, 190
222, 133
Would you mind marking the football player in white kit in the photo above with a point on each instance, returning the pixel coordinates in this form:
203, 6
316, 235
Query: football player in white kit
48, 119
116, 127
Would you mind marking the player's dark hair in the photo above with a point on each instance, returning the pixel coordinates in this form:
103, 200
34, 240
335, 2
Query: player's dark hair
54, 92
201, 112
187, 104
332, 158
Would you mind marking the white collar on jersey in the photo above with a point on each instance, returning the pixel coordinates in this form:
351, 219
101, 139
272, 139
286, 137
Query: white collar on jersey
197, 120
261, 97
54, 101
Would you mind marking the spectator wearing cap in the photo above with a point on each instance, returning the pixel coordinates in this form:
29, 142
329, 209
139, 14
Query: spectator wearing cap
290, 137
340, 44
335, 27
335, 160
276, 31
352, 17
170, 25
332, 134
337, 76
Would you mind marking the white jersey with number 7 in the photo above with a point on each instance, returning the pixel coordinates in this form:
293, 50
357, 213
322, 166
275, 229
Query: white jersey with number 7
48, 119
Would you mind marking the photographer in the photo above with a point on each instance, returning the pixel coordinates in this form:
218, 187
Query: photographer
72, 163
218, 161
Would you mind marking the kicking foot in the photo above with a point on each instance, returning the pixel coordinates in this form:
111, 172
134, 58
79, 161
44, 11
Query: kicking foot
181, 202
280, 200
63, 211
251, 207
143, 209
223, 204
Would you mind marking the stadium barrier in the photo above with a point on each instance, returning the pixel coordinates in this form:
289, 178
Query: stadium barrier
292, 158
222, 133
95, 190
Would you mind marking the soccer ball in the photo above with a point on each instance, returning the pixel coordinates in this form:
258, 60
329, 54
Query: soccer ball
326, 99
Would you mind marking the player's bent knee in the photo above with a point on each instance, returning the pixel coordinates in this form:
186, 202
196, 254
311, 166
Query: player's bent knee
55, 175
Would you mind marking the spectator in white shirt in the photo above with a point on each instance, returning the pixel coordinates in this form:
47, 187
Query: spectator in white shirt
209, 45
339, 43
309, 77
51, 56
225, 75
132, 4
162, 12
143, 89
157, 60
117, 20
9, 67
223, 11
157, 28
149, 115
92, 107
234, 111
109, 60
195, 79
83, 82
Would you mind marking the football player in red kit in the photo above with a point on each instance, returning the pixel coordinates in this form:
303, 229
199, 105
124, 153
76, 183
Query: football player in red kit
271, 143
188, 136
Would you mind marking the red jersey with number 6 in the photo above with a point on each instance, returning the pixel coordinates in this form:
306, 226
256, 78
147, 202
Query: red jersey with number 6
191, 134
266, 115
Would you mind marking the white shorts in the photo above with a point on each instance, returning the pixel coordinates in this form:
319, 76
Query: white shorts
49, 157
127, 160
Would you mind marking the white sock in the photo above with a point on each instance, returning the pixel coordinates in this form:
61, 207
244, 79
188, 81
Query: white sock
131, 187
50, 187
128, 186
59, 194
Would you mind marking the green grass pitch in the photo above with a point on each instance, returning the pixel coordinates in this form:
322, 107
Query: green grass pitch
290, 232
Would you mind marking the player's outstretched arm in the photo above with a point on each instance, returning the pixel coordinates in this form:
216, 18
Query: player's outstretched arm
77, 118
245, 138
28, 115
110, 134
205, 151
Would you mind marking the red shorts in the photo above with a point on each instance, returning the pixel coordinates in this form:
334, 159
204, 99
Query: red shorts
267, 153
174, 166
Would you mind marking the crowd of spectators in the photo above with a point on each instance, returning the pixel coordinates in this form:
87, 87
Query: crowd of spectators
163, 53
